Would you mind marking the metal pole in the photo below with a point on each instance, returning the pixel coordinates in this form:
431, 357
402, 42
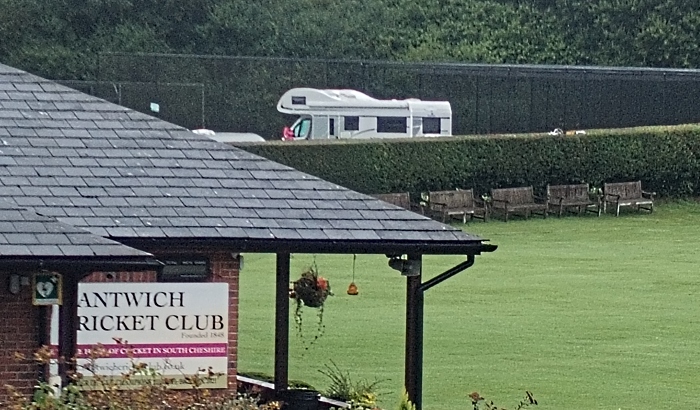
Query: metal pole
414, 325
414, 337
282, 323
204, 125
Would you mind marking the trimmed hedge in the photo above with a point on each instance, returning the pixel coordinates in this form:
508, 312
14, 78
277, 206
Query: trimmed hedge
666, 159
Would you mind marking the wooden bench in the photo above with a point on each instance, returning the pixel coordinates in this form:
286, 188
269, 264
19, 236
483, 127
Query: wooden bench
563, 197
517, 200
620, 194
460, 203
402, 199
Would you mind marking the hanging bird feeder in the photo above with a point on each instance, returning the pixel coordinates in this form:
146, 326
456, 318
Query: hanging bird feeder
352, 288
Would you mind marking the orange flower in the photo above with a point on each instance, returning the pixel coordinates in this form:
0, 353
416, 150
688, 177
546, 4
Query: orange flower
475, 396
322, 283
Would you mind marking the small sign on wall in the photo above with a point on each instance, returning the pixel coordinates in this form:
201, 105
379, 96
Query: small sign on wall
47, 289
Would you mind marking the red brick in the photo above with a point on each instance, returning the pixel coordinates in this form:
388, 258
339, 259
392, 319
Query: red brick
19, 326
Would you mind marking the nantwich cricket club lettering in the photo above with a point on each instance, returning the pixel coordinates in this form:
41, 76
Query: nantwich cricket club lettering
177, 329
149, 303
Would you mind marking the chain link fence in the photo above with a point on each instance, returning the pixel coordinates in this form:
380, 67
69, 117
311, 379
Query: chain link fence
239, 94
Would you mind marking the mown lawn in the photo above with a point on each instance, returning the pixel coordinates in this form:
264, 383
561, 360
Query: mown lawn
588, 313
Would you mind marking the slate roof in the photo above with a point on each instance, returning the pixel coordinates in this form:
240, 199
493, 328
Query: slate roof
127, 176
24, 233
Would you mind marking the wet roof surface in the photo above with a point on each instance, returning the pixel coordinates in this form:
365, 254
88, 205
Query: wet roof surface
121, 174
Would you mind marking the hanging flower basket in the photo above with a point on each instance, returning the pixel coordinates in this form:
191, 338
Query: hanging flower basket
310, 290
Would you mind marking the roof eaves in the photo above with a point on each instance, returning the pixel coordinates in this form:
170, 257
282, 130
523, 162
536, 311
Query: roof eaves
79, 265
322, 246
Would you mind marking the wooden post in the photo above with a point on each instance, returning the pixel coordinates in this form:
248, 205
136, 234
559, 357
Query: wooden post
68, 328
282, 323
414, 337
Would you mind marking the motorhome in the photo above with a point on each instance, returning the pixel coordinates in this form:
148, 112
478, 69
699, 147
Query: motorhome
332, 114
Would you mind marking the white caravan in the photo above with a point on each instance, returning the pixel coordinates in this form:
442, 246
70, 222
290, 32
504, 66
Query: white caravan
351, 114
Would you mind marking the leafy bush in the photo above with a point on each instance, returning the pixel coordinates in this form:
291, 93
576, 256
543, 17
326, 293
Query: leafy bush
361, 394
405, 403
480, 403
152, 393
665, 159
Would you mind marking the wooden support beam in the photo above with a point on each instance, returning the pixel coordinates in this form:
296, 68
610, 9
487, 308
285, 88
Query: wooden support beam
414, 337
282, 323
68, 328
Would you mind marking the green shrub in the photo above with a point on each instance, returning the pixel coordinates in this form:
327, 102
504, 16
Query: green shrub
666, 159
361, 394
152, 393
405, 402
480, 403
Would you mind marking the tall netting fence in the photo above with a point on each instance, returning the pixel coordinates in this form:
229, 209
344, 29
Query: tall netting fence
179, 103
239, 94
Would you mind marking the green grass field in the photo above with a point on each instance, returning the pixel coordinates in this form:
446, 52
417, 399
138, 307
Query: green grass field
588, 313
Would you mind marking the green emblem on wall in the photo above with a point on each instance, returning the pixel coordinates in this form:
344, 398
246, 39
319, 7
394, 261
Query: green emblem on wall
47, 289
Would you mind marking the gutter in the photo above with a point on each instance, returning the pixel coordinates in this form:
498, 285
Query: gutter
474, 246
80, 264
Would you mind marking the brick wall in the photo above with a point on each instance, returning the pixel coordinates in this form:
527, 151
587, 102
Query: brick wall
24, 327
20, 333
226, 269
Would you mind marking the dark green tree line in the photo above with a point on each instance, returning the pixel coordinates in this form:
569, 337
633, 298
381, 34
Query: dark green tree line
62, 38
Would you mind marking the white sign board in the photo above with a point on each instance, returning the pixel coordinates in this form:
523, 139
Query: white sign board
177, 329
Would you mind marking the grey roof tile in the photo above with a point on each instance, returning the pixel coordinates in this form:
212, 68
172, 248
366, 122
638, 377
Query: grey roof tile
24, 233
317, 224
149, 232
156, 222
343, 224
288, 234
191, 212
42, 105
16, 250
205, 232
124, 174
300, 204
264, 223
79, 211
364, 235
291, 223
270, 214
258, 233
338, 234
76, 250
85, 202
215, 212
50, 211
117, 232
177, 232
297, 214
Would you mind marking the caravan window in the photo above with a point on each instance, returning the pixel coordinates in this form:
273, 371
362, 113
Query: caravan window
298, 100
302, 130
431, 125
391, 124
351, 123
331, 126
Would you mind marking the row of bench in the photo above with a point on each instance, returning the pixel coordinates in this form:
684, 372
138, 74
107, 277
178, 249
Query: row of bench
462, 204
